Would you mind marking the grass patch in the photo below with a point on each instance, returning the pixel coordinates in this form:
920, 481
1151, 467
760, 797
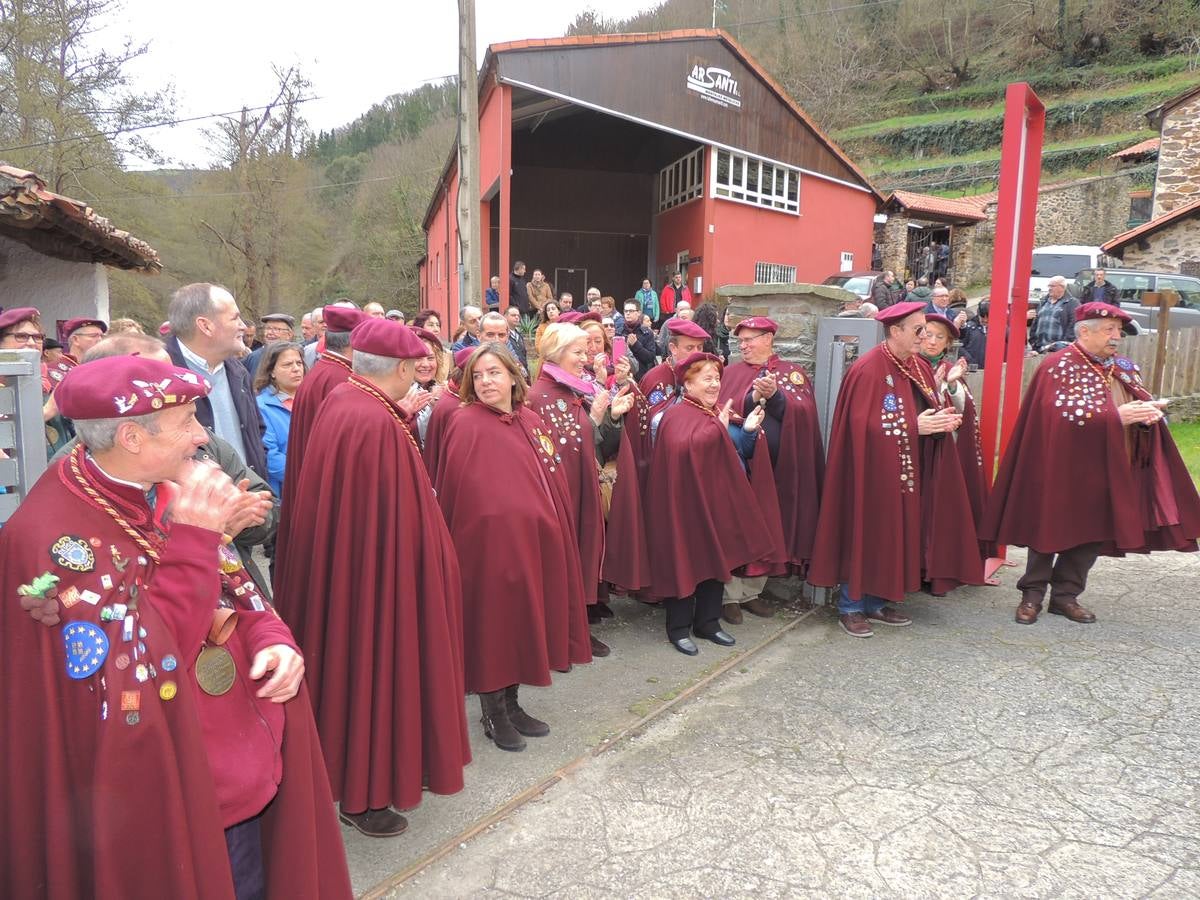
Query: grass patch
1187, 438
917, 164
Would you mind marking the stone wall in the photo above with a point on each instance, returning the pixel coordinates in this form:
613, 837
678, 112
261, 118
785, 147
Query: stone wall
893, 243
797, 308
1167, 250
1178, 180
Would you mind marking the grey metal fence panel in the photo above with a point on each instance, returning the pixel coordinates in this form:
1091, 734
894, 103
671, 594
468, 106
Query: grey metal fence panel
22, 433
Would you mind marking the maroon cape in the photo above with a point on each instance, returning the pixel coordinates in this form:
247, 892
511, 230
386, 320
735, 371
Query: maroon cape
1073, 474
658, 385
800, 468
443, 408
565, 418
329, 371
371, 588
94, 803
525, 613
703, 520
966, 443
893, 509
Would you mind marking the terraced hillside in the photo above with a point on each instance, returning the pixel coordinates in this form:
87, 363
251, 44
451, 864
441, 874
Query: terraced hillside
949, 143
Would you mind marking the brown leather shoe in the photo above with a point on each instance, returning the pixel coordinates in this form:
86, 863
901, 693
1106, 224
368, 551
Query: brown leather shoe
758, 607
889, 616
856, 625
732, 613
1072, 610
376, 822
1029, 610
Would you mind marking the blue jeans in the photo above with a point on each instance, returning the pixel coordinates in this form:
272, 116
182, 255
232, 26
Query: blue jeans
865, 604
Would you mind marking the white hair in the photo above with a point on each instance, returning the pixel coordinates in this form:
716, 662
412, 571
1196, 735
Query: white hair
100, 435
558, 336
1057, 279
373, 365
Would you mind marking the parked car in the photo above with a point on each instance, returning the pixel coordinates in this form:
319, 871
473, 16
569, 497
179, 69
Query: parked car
1132, 283
1062, 259
858, 282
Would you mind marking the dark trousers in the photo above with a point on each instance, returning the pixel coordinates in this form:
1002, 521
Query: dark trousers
244, 844
699, 613
1065, 572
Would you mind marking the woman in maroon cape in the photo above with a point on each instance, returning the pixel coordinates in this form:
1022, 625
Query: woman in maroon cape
586, 429
791, 427
525, 614
894, 511
446, 405
952, 390
375, 595
703, 519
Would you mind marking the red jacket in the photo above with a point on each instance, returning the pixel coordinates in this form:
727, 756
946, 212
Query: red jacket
669, 297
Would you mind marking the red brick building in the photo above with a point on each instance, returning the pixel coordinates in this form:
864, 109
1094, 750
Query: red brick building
611, 158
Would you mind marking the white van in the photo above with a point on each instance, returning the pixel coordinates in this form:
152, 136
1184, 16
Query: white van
1065, 260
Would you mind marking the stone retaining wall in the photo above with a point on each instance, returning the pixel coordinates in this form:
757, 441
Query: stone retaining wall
796, 307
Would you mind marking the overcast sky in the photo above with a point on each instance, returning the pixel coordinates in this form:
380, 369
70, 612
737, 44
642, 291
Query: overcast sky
219, 54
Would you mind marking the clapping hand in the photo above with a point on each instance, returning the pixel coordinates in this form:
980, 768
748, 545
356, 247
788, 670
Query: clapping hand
1140, 412
600, 368
415, 402
960, 319
599, 406
249, 510
765, 388
725, 413
206, 498
957, 371
622, 403
938, 421
754, 420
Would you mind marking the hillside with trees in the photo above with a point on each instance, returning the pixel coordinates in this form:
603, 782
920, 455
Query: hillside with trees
289, 218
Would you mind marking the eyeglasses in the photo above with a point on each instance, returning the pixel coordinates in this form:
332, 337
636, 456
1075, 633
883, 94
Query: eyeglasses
742, 342
26, 337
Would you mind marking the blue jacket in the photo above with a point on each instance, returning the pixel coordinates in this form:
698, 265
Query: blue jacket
278, 420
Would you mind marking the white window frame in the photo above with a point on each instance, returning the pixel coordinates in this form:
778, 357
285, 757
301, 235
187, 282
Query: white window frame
740, 187
682, 181
774, 273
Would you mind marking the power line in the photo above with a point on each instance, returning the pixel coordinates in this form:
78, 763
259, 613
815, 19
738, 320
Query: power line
118, 131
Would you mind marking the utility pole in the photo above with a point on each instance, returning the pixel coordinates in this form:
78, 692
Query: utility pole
470, 291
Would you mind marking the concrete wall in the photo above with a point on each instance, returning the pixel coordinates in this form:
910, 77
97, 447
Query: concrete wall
797, 308
1178, 180
1167, 250
58, 289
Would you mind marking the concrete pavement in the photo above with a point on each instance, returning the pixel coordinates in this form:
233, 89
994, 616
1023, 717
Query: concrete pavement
964, 756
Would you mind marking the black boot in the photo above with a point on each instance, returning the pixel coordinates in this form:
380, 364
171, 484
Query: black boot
521, 720
496, 724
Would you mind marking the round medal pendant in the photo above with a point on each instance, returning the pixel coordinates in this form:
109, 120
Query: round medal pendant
215, 671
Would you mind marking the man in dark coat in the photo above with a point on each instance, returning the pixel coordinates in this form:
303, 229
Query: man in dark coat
206, 337
1126, 489
1100, 290
518, 293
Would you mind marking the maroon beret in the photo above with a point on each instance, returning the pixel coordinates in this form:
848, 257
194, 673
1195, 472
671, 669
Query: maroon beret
1098, 310
589, 316
72, 325
426, 335
11, 317
892, 314
692, 359
383, 337
758, 323
570, 317
120, 386
688, 328
463, 354
942, 320
342, 318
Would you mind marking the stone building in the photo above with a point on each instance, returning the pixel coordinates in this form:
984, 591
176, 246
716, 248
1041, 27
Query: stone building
54, 251
1178, 180
1167, 243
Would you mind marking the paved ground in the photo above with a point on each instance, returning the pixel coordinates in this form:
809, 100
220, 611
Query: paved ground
965, 756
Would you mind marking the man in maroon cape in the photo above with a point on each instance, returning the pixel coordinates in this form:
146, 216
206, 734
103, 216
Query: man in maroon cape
895, 511
443, 408
658, 384
331, 369
374, 594
1119, 485
793, 436
158, 739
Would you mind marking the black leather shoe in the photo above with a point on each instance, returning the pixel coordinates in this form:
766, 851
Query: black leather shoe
724, 638
686, 645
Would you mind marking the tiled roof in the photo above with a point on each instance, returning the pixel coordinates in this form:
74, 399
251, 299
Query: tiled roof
1128, 237
1143, 148
27, 208
680, 34
956, 208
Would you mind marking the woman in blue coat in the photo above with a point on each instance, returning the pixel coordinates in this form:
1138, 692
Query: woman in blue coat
279, 374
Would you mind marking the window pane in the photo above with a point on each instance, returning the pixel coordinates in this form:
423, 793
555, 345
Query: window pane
722, 167
739, 174
752, 175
